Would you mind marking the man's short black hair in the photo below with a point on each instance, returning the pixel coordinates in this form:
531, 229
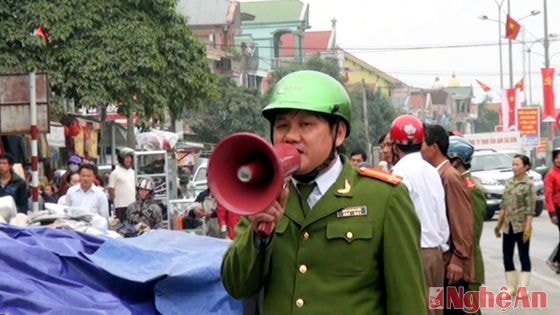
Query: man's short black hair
8, 157
438, 135
360, 152
87, 166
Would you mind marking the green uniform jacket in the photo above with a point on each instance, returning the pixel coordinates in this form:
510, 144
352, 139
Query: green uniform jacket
519, 202
329, 264
479, 207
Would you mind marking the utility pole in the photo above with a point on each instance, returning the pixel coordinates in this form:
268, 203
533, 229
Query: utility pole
499, 4
547, 65
366, 123
510, 52
523, 51
546, 43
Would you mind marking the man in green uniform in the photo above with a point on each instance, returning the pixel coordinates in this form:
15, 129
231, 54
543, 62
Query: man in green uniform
460, 154
346, 240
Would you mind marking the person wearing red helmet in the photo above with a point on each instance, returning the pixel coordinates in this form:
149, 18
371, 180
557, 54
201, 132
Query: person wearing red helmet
426, 190
459, 259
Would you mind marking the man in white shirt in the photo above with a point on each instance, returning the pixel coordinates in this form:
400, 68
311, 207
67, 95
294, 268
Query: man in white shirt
86, 195
427, 193
121, 187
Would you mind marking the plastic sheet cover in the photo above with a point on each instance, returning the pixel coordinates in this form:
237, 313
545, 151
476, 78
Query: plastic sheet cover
46, 271
51, 271
187, 268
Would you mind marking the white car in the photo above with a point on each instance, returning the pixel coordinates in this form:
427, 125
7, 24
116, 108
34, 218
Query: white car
491, 169
198, 182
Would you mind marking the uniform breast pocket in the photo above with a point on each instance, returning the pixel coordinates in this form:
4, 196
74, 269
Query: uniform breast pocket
350, 244
282, 227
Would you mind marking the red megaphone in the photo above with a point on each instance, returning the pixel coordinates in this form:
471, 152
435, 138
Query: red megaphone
246, 173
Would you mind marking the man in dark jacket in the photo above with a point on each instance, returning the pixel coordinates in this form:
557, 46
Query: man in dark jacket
11, 184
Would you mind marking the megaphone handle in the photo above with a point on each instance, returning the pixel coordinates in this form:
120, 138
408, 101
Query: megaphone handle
265, 228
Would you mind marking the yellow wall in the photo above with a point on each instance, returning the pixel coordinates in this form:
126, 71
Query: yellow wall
356, 73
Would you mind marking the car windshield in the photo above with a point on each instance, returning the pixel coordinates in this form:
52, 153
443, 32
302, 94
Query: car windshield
490, 162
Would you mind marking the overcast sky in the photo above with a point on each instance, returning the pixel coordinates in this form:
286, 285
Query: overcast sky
366, 25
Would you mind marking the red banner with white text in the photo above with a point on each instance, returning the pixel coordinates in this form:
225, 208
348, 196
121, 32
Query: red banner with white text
549, 111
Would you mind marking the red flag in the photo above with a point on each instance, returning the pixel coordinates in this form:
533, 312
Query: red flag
549, 112
512, 28
510, 103
484, 87
520, 85
39, 31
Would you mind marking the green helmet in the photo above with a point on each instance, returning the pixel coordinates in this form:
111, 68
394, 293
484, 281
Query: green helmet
312, 91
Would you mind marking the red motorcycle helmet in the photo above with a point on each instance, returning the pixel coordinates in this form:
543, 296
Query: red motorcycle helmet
407, 130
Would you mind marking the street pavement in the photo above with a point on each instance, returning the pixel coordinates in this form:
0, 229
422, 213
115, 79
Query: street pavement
544, 239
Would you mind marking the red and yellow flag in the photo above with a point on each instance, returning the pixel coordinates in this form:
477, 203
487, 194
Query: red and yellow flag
512, 28
484, 87
549, 111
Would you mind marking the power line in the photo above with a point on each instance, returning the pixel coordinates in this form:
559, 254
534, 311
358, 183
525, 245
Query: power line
389, 48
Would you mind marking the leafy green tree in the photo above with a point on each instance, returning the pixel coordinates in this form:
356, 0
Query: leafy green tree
487, 118
237, 109
140, 54
325, 65
381, 113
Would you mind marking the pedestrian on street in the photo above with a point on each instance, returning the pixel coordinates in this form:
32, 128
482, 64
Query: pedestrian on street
121, 183
86, 195
552, 199
426, 190
72, 166
358, 156
460, 154
11, 184
227, 220
459, 261
387, 158
345, 240
515, 222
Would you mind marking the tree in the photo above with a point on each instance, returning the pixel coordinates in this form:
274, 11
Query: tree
487, 118
381, 113
139, 54
325, 65
238, 109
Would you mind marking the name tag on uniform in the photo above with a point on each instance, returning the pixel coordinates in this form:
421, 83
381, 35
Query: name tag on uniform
352, 212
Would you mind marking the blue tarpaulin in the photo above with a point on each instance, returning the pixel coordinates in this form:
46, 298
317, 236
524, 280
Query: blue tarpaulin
50, 271
45, 271
188, 266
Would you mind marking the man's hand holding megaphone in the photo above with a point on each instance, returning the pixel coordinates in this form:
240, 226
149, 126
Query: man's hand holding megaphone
273, 214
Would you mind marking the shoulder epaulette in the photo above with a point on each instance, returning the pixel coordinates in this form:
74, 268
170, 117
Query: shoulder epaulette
380, 174
470, 182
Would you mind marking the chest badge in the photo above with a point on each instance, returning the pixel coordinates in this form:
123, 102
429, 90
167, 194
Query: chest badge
359, 211
346, 188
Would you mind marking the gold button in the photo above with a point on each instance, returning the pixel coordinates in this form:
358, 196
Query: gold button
302, 268
349, 235
305, 236
299, 303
